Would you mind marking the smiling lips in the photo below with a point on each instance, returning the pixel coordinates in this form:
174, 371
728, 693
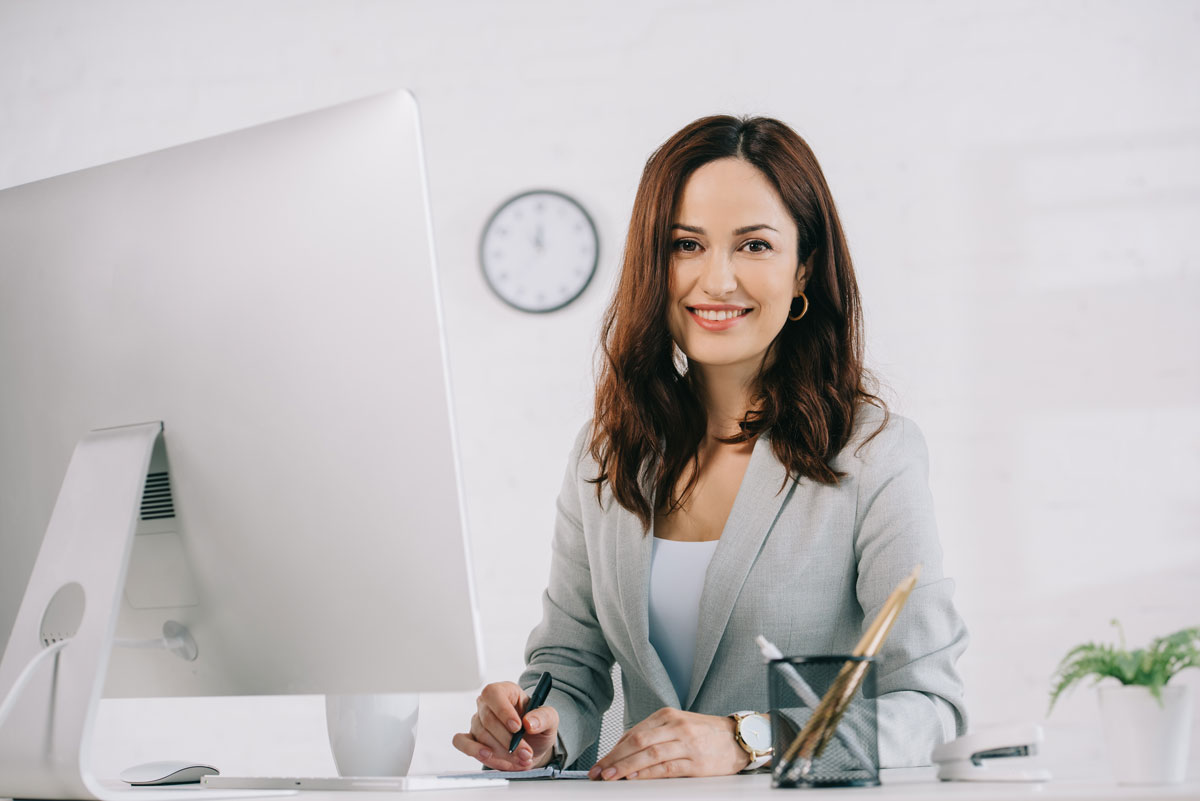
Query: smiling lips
717, 318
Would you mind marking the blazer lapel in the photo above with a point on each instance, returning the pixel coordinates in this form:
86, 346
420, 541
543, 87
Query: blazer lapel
634, 551
755, 509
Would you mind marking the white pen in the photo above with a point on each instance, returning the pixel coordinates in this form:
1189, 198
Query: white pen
810, 699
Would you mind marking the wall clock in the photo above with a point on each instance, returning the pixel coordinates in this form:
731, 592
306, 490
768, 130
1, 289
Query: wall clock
539, 250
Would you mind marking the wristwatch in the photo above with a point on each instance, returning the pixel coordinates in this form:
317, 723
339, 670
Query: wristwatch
752, 730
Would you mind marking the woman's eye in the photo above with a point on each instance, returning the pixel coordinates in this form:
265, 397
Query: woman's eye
692, 246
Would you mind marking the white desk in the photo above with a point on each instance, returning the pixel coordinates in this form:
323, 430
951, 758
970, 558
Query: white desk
913, 783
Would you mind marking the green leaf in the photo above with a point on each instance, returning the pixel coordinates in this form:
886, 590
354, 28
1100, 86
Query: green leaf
1150, 667
1127, 666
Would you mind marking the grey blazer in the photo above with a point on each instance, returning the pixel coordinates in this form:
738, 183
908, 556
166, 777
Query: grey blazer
805, 564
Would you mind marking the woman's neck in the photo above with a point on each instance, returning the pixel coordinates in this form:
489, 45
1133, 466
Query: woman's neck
726, 392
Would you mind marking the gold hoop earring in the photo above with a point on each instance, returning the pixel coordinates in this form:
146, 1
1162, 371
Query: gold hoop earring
803, 297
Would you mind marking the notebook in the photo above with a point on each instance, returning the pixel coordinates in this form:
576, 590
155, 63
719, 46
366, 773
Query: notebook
548, 772
381, 783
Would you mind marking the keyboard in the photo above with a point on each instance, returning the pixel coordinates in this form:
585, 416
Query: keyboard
383, 783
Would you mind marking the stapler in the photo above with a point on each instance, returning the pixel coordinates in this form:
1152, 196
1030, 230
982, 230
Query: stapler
994, 754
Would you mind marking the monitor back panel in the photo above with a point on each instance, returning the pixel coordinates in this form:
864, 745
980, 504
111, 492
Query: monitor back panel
270, 295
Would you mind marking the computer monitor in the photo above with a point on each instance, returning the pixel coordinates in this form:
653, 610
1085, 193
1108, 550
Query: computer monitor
240, 338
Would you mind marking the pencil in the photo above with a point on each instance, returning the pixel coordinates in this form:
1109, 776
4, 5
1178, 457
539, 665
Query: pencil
812, 739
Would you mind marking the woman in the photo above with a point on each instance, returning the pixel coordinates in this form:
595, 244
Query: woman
737, 479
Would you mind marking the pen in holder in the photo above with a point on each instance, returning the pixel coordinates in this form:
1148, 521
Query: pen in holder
796, 765
851, 759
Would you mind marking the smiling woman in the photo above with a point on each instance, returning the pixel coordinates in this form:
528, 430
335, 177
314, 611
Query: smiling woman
734, 230
738, 478
741, 281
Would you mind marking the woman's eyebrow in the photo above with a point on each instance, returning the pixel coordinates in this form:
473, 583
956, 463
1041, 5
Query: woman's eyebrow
745, 229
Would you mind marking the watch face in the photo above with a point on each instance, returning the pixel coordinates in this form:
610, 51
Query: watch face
756, 731
539, 251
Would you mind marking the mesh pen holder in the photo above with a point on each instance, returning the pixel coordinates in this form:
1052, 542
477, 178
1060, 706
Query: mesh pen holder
850, 757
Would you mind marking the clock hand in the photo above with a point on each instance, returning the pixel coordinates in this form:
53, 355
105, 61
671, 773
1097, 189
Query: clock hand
537, 240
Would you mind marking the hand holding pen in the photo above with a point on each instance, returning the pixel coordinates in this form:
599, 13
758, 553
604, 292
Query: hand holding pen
504, 711
535, 700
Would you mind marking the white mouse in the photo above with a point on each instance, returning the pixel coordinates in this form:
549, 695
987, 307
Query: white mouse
170, 772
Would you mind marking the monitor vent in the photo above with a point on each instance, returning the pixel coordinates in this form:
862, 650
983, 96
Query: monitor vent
156, 498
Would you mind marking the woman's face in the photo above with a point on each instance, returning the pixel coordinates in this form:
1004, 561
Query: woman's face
733, 266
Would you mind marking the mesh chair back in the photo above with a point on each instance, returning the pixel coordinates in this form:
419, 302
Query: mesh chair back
612, 726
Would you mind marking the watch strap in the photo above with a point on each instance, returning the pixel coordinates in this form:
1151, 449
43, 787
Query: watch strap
755, 764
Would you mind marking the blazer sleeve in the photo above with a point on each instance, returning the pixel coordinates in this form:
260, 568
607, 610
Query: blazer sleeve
920, 693
568, 641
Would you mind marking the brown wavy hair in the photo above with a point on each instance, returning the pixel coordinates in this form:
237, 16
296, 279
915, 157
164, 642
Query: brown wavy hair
649, 421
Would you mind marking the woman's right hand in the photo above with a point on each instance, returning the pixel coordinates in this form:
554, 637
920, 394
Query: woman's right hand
500, 712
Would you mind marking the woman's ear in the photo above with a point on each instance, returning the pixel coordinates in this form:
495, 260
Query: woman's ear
802, 274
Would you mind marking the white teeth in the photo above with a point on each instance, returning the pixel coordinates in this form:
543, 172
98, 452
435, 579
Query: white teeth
717, 316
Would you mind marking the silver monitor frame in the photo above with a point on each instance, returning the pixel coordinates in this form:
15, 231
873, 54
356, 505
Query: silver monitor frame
257, 315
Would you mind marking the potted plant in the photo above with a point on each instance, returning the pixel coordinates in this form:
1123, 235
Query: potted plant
1146, 722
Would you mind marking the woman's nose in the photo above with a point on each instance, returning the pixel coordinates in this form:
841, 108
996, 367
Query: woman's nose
717, 278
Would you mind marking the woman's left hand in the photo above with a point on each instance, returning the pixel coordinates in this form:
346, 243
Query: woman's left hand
674, 743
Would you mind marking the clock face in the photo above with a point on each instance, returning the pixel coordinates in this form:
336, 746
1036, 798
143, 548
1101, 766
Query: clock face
539, 251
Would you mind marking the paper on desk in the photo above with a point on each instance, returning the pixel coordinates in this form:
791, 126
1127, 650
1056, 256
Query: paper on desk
548, 772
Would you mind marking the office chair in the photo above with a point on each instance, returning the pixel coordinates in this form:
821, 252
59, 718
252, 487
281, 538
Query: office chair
612, 726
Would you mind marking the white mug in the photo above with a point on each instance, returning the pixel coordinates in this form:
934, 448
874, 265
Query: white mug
372, 735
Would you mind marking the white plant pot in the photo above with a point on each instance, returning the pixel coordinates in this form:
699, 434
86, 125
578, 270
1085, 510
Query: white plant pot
1147, 742
372, 735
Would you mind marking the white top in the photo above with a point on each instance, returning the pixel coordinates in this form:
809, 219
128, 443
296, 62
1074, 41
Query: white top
677, 571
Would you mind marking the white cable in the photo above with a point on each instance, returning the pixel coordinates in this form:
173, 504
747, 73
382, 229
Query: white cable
124, 642
24, 676
176, 639
179, 644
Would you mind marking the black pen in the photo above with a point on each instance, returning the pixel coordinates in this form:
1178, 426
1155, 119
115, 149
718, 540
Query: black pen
536, 699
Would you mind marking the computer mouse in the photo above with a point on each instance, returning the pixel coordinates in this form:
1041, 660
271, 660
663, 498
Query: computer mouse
169, 772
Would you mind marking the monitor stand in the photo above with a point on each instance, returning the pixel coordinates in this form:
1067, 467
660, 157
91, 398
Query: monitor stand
74, 592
